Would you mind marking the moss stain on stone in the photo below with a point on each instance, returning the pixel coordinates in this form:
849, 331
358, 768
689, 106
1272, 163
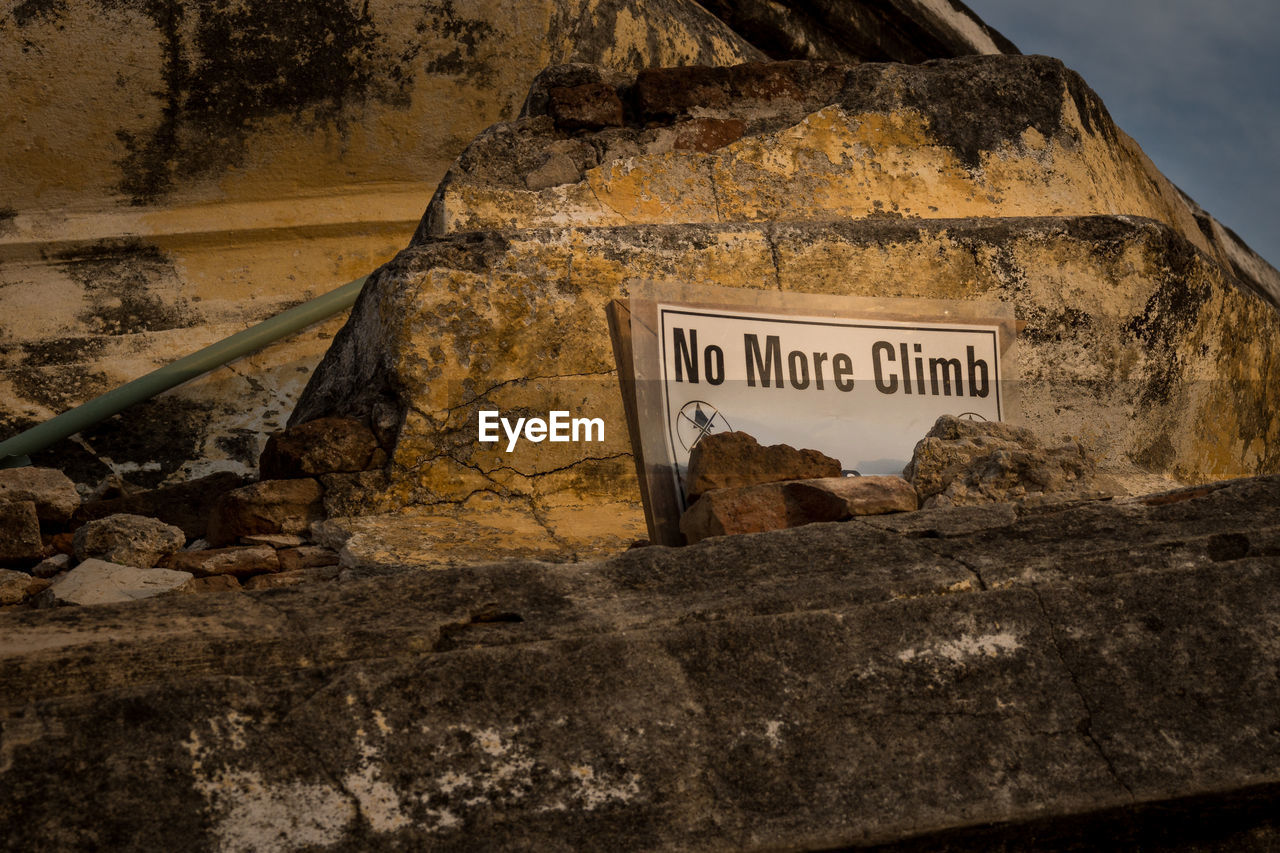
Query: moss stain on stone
247, 62
122, 281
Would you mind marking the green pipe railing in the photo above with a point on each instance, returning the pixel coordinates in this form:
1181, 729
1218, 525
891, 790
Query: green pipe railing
15, 452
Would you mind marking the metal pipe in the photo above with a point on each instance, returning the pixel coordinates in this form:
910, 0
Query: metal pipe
14, 451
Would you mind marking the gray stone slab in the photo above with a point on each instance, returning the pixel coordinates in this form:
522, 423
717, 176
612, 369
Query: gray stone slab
817, 687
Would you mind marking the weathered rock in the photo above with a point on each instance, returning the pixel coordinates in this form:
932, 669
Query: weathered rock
61, 543
322, 446
239, 562
774, 506
35, 586
97, 581
557, 169
52, 491
361, 493
1149, 370
19, 532
272, 506
589, 106
827, 687
479, 530
730, 459
185, 505
306, 557
52, 566
292, 577
971, 137
211, 583
131, 540
275, 540
962, 462
14, 586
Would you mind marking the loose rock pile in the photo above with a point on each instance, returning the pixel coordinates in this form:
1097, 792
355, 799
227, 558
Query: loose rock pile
218, 533
734, 485
222, 534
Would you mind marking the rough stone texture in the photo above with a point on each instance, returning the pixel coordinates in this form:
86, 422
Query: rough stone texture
53, 493
211, 583
272, 506
14, 586
774, 506
1133, 341
95, 582
275, 540
52, 566
479, 530
133, 540
239, 562
962, 462
306, 557
973, 137
173, 173
729, 459
19, 532
1103, 677
292, 577
590, 106
322, 446
184, 505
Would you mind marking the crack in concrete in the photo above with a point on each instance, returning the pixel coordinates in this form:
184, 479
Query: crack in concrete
535, 475
1087, 728
769, 236
982, 584
483, 395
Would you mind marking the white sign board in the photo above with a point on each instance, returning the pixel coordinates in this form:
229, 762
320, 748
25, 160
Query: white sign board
861, 380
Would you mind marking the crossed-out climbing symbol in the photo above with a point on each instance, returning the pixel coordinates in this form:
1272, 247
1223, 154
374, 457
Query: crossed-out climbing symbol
697, 419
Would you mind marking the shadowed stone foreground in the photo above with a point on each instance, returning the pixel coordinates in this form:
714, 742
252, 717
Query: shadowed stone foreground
964, 678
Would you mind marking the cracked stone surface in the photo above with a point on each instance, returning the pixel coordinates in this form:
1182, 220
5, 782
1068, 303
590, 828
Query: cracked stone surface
1132, 343
1033, 677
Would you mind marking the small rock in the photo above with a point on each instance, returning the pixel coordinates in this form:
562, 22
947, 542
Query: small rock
961, 462
321, 446
186, 505
773, 506
590, 106
558, 169
307, 557
13, 586
51, 566
130, 540
290, 578
19, 532
35, 586
60, 543
240, 562
727, 460
212, 583
275, 540
99, 582
272, 506
52, 491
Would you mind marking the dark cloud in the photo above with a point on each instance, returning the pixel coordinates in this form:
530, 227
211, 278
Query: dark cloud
1193, 81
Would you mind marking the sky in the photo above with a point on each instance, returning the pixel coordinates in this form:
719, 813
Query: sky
1195, 82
